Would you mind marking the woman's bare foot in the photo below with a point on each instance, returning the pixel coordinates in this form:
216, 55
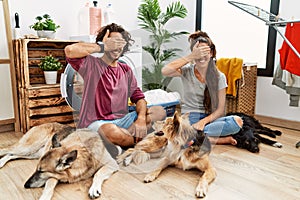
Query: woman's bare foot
223, 140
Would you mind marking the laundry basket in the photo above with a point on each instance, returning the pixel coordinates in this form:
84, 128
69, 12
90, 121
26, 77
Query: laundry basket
245, 99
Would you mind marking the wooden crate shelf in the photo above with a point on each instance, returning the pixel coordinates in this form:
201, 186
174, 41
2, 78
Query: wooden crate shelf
40, 103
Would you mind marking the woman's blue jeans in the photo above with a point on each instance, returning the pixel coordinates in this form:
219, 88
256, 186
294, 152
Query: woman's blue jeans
223, 126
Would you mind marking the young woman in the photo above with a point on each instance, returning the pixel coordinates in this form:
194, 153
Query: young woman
204, 90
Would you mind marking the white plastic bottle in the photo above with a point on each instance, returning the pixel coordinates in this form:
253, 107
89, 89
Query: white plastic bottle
83, 17
109, 15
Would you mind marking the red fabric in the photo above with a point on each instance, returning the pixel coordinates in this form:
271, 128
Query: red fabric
288, 59
106, 89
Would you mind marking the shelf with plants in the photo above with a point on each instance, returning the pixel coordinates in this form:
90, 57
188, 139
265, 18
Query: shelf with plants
39, 102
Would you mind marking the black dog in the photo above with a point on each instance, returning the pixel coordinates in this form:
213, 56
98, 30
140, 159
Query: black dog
251, 133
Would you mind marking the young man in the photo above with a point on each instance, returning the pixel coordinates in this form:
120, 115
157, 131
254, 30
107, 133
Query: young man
107, 86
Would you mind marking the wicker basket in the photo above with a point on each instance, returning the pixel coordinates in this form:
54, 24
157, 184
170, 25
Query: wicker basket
246, 93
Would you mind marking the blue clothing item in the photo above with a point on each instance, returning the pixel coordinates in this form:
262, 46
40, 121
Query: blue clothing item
223, 126
124, 122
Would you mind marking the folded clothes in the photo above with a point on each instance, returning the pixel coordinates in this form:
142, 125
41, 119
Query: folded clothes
158, 97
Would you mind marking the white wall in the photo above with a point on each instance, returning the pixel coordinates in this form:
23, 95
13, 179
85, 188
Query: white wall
6, 106
235, 32
271, 101
66, 13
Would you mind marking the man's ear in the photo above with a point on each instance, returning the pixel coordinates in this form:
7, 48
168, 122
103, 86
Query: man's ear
66, 160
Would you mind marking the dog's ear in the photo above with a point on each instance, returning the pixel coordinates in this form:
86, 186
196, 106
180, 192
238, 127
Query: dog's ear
55, 142
176, 121
66, 160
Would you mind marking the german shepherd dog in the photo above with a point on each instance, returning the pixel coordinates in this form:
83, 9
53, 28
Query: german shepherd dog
78, 156
251, 134
177, 144
35, 142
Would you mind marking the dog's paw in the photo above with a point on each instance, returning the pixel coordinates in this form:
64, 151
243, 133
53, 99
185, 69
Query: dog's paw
127, 160
124, 159
277, 144
140, 157
95, 191
278, 132
149, 178
201, 189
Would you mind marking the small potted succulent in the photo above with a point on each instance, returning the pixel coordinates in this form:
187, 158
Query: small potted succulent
45, 26
50, 66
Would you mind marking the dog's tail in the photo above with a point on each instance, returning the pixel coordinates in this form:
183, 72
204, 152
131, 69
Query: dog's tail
4, 151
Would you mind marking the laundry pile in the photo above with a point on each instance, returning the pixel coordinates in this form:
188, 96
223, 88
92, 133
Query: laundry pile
161, 97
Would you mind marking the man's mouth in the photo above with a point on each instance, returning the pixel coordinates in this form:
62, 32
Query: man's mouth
116, 52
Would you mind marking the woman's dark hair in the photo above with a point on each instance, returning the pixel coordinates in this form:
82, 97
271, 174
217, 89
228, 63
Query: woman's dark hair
211, 99
115, 28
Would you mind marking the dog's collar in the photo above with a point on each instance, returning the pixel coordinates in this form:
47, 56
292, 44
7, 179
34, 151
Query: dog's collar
188, 144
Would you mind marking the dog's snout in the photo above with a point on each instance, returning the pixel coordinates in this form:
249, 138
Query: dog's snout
159, 133
27, 184
255, 150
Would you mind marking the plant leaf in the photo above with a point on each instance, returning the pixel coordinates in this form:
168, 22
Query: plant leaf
175, 9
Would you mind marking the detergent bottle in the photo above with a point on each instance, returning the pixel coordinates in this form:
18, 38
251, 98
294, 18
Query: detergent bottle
95, 18
90, 18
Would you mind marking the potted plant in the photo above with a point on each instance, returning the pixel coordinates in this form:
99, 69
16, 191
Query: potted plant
50, 66
153, 20
45, 27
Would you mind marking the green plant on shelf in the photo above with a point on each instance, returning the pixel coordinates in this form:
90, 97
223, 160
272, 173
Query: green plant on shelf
44, 23
49, 63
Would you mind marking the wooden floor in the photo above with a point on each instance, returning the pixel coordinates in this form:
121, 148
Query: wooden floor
269, 175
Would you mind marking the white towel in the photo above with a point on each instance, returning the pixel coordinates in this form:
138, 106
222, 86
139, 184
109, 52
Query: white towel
159, 96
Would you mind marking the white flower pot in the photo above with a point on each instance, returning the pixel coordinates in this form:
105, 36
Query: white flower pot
50, 77
46, 34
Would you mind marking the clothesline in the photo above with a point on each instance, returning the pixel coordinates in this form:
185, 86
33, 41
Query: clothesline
269, 18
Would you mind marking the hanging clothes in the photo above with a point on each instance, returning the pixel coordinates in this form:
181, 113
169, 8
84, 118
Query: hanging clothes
232, 68
288, 59
288, 82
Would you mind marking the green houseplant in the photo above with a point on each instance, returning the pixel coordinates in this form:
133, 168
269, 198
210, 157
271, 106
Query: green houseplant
45, 26
50, 66
153, 20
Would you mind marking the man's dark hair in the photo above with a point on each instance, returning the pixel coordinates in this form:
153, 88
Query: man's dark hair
115, 28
